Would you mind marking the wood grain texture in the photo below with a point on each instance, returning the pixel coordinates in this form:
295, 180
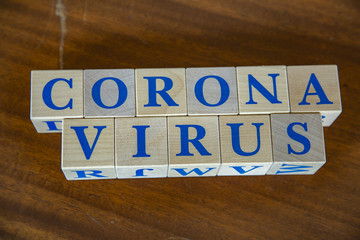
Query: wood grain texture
116, 90
193, 142
308, 96
88, 149
254, 149
217, 91
293, 154
36, 201
66, 94
255, 101
151, 156
173, 88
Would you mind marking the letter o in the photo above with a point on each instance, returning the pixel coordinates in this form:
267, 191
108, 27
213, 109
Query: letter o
122, 92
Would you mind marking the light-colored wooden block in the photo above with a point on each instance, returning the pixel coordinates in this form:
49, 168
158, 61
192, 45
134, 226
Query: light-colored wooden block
262, 90
194, 149
245, 145
315, 89
88, 149
141, 147
160, 92
55, 95
211, 91
109, 93
298, 144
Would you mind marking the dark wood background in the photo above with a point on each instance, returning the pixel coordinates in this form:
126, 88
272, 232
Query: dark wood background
36, 202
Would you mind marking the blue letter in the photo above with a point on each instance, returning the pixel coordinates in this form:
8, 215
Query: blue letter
84, 142
318, 91
52, 126
299, 138
199, 91
168, 84
83, 173
292, 168
253, 82
195, 170
141, 143
235, 138
140, 172
46, 94
184, 139
240, 169
122, 92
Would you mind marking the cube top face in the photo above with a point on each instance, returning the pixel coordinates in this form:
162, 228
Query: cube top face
141, 141
315, 89
263, 89
298, 138
109, 92
211, 91
160, 92
56, 94
245, 139
88, 143
193, 140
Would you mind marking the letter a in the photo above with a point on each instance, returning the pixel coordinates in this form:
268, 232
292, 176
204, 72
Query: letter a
318, 91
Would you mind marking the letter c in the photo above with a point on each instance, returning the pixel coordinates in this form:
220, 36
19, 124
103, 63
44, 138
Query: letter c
46, 94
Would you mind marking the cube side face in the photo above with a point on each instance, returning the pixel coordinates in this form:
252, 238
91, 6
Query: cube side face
109, 93
55, 95
89, 173
211, 91
88, 144
141, 147
160, 92
193, 170
193, 143
295, 168
315, 89
246, 147
298, 144
52, 125
263, 90
244, 169
152, 171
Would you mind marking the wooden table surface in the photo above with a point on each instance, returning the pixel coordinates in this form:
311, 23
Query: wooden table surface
36, 202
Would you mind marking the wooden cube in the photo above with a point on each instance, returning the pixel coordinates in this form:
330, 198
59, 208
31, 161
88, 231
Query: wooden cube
194, 148
315, 89
262, 90
55, 95
245, 145
298, 144
160, 92
88, 149
109, 93
211, 91
141, 147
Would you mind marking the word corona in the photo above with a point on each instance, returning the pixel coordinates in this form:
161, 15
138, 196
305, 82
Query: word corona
177, 122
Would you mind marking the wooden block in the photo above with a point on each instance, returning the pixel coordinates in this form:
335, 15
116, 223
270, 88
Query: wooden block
262, 89
193, 146
88, 149
109, 93
245, 145
315, 89
141, 147
298, 144
55, 95
160, 92
211, 91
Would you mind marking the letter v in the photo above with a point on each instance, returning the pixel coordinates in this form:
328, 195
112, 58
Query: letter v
79, 130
